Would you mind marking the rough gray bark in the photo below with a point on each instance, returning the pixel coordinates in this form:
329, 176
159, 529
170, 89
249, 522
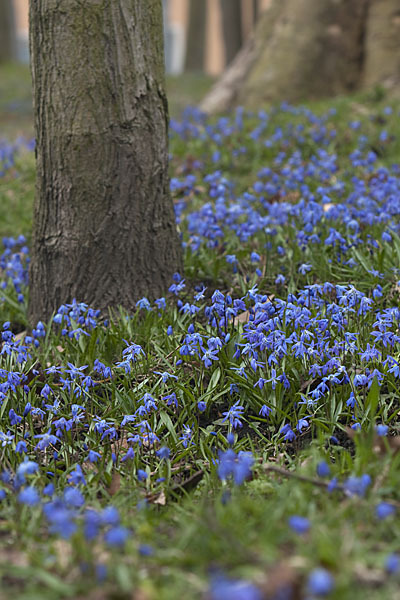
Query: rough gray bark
7, 31
382, 45
300, 49
232, 27
196, 36
104, 227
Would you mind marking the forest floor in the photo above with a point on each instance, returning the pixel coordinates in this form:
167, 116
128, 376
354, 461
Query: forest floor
238, 438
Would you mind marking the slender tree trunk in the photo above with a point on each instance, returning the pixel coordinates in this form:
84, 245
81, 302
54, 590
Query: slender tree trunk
382, 45
256, 11
104, 227
196, 36
232, 27
7, 31
300, 49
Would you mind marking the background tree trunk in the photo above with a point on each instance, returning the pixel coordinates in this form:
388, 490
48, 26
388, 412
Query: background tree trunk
382, 45
7, 31
300, 49
196, 36
232, 27
104, 227
256, 11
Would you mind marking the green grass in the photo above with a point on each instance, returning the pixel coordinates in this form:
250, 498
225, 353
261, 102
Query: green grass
186, 525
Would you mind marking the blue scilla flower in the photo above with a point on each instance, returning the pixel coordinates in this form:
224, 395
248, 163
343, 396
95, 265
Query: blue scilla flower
116, 536
93, 456
6, 438
323, 469
382, 430
304, 268
320, 582
186, 436
73, 497
61, 519
142, 475
298, 524
29, 495
45, 439
201, 405
28, 467
20, 447
110, 516
76, 476
163, 453
48, 489
384, 510
165, 376
288, 434
357, 486
91, 524
392, 563
234, 414
222, 588
130, 455
143, 303
265, 411
14, 418
238, 466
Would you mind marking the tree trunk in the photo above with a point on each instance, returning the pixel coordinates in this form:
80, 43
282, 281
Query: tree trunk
7, 31
196, 36
382, 45
232, 27
256, 11
300, 49
104, 227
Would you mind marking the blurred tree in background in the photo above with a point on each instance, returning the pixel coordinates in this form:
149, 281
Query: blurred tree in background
232, 27
304, 49
7, 31
196, 35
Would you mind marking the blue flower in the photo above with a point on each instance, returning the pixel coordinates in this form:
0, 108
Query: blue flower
186, 436
143, 303
73, 497
265, 411
323, 469
222, 588
93, 456
29, 495
130, 455
163, 453
382, 430
357, 486
238, 466
299, 524
142, 475
384, 510
45, 440
234, 414
76, 477
392, 563
201, 405
320, 582
92, 522
117, 536
110, 516
304, 268
28, 467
